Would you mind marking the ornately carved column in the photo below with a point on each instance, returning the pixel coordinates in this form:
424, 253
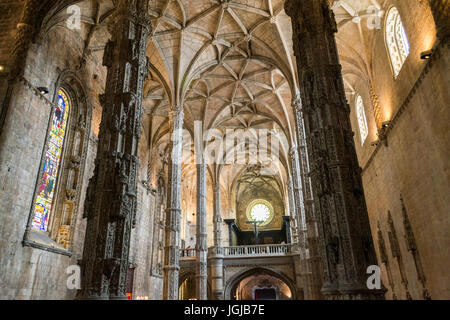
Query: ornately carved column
314, 261
216, 253
110, 206
441, 14
201, 246
173, 211
298, 193
301, 223
293, 213
217, 215
346, 244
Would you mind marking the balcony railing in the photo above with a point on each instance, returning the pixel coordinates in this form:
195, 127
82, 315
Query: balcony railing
187, 253
264, 250
258, 250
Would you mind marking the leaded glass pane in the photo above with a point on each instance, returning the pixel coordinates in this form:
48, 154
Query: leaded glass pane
47, 185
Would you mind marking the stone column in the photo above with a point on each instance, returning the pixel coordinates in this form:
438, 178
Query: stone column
346, 244
301, 224
201, 246
441, 14
230, 223
298, 196
110, 206
288, 232
292, 213
290, 193
216, 254
173, 212
306, 229
217, 216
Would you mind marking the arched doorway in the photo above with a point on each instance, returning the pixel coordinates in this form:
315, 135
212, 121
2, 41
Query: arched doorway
186, 290
260, 284
187, 287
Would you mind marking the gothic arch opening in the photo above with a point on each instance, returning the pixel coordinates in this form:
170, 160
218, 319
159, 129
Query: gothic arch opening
260, 284
187, 287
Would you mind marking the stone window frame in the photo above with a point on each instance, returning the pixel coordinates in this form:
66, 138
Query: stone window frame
63, 217
398, 62
361, 117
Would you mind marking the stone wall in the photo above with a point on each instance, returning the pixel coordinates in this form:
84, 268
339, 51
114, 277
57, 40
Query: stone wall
414, 163
29, 273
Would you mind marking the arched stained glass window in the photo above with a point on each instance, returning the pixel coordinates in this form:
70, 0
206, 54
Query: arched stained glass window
362, 121
52, 159
396, 40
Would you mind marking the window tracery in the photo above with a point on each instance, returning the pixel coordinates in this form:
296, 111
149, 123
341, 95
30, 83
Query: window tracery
362, 120
396, 40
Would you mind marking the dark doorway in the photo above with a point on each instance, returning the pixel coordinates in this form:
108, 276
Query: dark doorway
265, 294
260, 284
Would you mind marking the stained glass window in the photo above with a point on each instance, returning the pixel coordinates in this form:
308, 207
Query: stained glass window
362, 121
397, 41
52, 160
260, 212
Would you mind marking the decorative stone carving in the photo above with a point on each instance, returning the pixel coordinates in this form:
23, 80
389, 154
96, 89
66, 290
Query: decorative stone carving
111, 200
412, 248
345, 237
385, 260
63, 237
397, 254
376, 106
308, 225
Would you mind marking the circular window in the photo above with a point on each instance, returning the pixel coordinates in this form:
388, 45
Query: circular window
261, 211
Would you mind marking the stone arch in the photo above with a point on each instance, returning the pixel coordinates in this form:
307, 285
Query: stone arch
189, 273
234, 280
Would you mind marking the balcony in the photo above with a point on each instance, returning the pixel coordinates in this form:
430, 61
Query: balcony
253, 251
264, 250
